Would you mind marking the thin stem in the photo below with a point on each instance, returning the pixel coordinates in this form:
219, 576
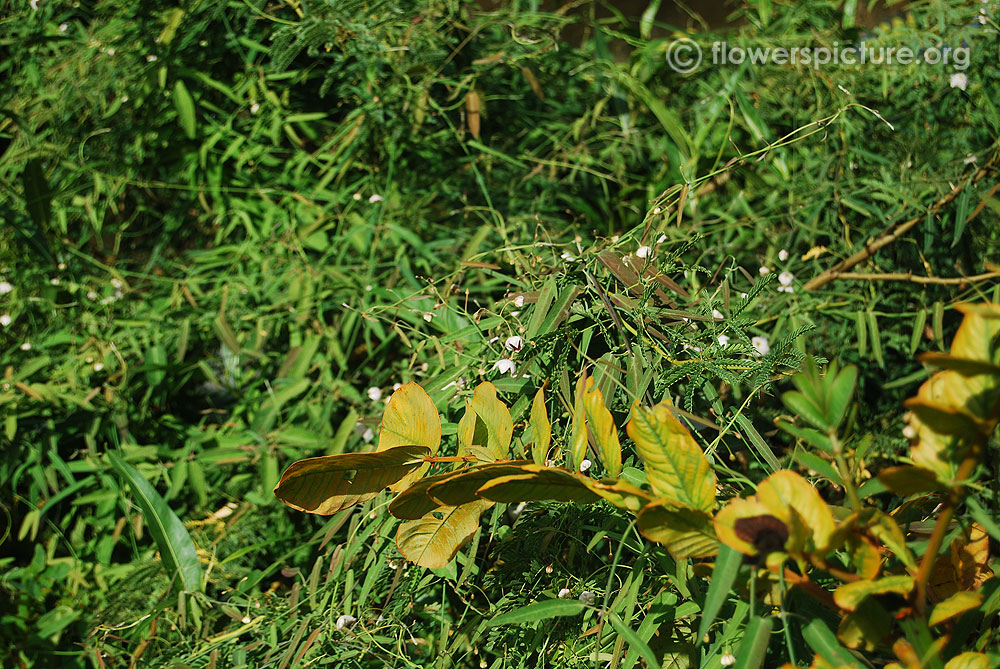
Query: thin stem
845, 472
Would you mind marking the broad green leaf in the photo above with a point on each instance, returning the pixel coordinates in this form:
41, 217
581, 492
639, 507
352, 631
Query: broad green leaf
541, 429
804, 407
332, 483
410, 419
883, 527
460, 487
435, 539
185, 108
809, 435
602, 426
956, 605
487, 424
824, 643
177, 550
578, 436
683, 531
753, 648
850, 595
840, 394
676, 467
797, 503
539, 483
533, 613
724, 573
970, 660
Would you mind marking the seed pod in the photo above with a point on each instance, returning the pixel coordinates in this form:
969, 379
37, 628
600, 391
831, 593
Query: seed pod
472, 107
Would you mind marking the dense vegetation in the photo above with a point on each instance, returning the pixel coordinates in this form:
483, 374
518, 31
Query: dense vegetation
230, 229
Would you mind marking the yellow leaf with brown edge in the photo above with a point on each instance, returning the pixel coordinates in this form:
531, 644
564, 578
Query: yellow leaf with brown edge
676, 467
602, 426
435, 539
332, 483
410, 419
536, 483
965, 566
797, 503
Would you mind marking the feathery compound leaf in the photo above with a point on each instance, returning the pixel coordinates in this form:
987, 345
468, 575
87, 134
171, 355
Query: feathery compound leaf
177, 551
435, 539
332, 483
410, 419
602, 426
675, 465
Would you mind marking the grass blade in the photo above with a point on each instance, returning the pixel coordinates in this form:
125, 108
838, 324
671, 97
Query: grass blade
727, 566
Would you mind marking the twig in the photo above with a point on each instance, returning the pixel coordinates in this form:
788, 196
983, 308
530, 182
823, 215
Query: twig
837, 271
914, 278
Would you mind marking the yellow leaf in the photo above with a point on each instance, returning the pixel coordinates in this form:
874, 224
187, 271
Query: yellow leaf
460, 488
676, 467
331, 483
435, 539
578, 436
603, 428
747, 526
487, 424
965, 567
969, 661
541, 429
797, 503
955, 605
685, 532
850, 595
414, 502
536, 483
410, 419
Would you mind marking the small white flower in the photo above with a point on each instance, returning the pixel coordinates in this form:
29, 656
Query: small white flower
785, 289
368, 435
61, 266
971, 159
585, 465
786, 278
717, 315
519, 301
111, 51
245, 620
345, 621
396, 386
514, 343
782, 255
63, 27
959, 80
357, 197
91, 295
108, 300
548, 569
5, 287
5, 320
567, 256
54, 281
662, 239
151, 58
374, 394
764, 270
723, 341
644, 252
743, 296
587, 597
657, 211
686, 347
727, 660
505, 366
515, 511
762, 345
374, 198
909, 432
98, 366
34, 5
255, 107
428, 317
565, 593
26, 346
116, 284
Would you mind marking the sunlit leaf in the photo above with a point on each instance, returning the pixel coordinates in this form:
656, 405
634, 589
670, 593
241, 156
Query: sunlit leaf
969, 661
955, 605
414, 502
752, 537
602, 426
410, 419
487, 424
965, 566
798, 504
460, 488
578, 435
675, 465
850, 595
435, 539
906, 480
536, 483
541, 429
683, 531
331, 483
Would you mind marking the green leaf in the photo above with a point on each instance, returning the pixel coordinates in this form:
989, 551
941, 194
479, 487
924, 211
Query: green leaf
487, 423
806, 409
841, 393
807, 434
177, 550
753, 648
332, 483
675, 465
727, 567
37, 196
185, 109
824, 643
633, 640
533, 613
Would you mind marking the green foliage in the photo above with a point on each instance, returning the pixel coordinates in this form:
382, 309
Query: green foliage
225, 222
